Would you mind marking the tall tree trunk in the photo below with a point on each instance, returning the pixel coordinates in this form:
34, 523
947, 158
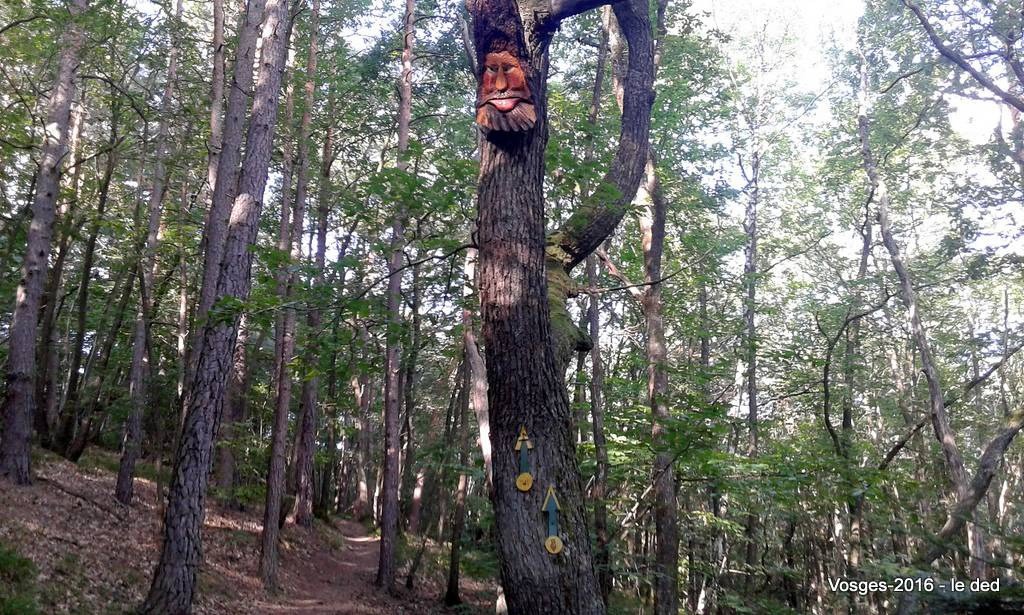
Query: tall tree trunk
855, 503
216, 141
750, 338
451, 595
666, 522
19, 401
142, 347
227, 174
48, 358
409, 466
235, 415
477, 368
599, 490
174, 581
275, 510
305, 441
361, 391
390, 481
528, 334
968, 492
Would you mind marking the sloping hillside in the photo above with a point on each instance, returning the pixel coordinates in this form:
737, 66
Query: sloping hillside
89, 555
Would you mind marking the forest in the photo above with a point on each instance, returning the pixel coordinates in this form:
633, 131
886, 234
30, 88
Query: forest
534, 307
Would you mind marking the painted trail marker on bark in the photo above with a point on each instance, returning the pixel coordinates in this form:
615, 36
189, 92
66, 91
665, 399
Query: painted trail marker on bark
525, 480
552, 543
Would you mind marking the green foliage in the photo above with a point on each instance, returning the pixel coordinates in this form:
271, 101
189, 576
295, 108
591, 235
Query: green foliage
17, 583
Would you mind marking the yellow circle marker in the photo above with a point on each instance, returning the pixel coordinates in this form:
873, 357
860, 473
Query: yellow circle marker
553, 544
524, 481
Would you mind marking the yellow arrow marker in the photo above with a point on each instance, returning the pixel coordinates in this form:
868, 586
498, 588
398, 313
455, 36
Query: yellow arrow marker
523, 438
525, 480
552, 543
548, 500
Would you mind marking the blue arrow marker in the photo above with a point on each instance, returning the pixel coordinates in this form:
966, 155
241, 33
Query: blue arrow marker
551, 507
524, 460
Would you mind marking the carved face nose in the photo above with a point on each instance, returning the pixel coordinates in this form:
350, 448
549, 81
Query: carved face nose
501, 83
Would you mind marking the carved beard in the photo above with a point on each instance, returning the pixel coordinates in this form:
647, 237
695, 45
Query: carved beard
506, 112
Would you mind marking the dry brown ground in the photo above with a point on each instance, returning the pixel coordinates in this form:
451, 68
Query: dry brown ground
94, 556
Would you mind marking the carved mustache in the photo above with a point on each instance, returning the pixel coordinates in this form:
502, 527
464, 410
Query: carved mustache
519, 117
522, 95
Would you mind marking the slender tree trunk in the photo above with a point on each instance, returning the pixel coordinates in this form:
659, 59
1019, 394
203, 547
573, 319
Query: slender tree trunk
216, 141
275, 509
599, 490
305, 442
235, 415
390, 481
227, 174
284, 318
968, 492
477, 368
750, 339
451, 595
361, 391
142, 347
174, 581
666, 569
19, 402
48, 359
855, 505
408, 481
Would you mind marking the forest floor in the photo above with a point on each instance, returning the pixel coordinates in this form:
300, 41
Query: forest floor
91, 555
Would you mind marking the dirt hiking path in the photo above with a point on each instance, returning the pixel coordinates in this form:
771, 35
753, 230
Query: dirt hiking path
92, 555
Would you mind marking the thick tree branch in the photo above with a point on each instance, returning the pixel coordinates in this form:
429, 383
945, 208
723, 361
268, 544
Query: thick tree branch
963, 509
605, 207
957, 58
564, 9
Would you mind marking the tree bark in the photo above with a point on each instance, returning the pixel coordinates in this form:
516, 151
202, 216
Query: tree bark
526, 351
19, 401
451, 595
386, 567
666, 522
227, 173
216, 141
409, 466
289, 242
477, 368
235, 414
174, 581
361, 391
599, 490
305, 442
141, 347
48, 386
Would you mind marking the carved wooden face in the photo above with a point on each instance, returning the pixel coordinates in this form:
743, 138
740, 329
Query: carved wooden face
504, 102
